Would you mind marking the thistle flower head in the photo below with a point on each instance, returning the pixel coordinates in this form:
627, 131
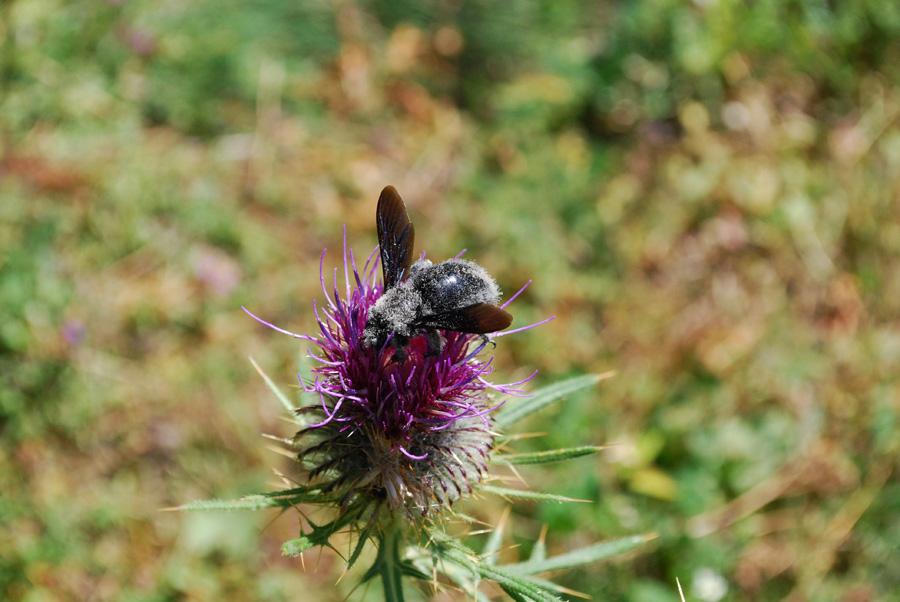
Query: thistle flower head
409, 436
403, 435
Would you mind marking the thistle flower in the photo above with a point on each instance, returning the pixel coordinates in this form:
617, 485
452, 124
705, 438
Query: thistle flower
408, 437
392, 440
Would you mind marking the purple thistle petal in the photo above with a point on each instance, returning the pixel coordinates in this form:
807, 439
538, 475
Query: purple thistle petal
521, 382
321, 360
355, 273
346, 271
530, 326
513, 298
305, 337
334, 289
322, 272
411, 456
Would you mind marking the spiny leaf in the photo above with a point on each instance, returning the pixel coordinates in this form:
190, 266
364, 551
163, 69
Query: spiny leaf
320, 534
492, 546
546, 396
251, 502
527, 495
363, 537
515, 583
295, 547
594, 553
544, 583
539, 551
555, 455
274, 388
516, 596
274, 499
466, 579
455, 552
449, 542
410, 570
553, 587
465, 517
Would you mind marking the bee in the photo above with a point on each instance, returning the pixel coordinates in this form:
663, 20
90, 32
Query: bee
421, 297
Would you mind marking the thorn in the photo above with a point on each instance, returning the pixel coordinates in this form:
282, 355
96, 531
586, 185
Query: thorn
543, 536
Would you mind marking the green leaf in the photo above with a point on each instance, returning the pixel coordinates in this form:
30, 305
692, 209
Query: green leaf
251, 502
544, 583
274, 499
292, 410
539, 551
451, 543
321, 533
363, 537
546, 396
295, 547
556, 455
492, 546
453, 551
510, 582
594, 553
465, 517
516, 596
466, 578
527, 495
411, 570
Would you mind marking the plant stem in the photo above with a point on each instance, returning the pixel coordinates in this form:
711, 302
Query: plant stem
389, 562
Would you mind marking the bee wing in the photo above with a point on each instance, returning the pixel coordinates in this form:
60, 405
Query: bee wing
395, 237
479, 318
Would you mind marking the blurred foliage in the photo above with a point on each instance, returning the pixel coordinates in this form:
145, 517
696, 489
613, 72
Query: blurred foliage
706, 194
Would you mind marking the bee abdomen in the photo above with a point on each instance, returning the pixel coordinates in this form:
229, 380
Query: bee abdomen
454, 284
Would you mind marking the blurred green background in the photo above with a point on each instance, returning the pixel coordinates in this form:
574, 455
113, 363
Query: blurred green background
705, 193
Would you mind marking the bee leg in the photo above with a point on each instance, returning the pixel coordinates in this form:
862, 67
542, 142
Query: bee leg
486, 339
435, 342
400, 342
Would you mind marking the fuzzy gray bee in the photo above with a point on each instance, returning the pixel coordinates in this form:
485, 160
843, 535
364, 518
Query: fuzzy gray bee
422, 298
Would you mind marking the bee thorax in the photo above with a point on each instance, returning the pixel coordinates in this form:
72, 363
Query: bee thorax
396, 311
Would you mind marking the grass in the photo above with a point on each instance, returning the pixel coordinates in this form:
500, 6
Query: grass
706, 194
